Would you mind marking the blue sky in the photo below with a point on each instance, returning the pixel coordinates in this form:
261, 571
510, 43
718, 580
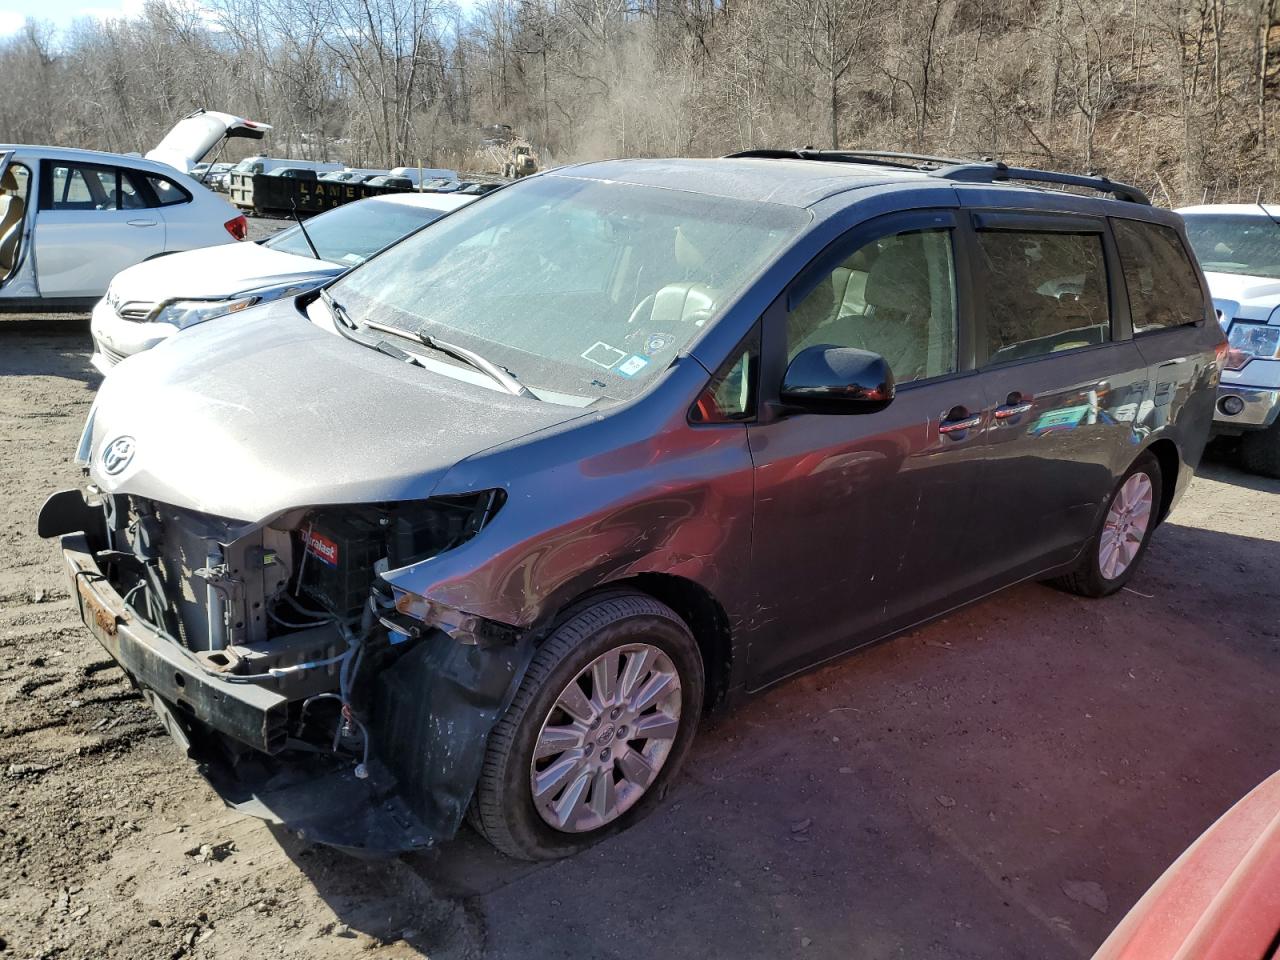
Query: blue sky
62, 12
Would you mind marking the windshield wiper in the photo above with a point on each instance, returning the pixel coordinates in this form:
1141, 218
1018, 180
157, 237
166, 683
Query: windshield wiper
338, 310
391, 350
503, 377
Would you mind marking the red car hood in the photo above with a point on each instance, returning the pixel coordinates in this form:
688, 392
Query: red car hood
1220, 900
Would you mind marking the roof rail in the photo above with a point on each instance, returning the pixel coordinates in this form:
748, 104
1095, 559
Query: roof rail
968, 172
951, 168
884, 158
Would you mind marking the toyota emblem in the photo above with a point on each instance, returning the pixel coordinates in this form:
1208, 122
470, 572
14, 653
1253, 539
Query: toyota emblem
117, 455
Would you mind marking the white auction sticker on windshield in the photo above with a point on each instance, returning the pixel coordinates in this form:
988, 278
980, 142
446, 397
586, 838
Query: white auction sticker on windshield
632, 365
603, 355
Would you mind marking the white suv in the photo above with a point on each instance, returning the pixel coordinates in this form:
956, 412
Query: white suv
71, 219
1238, 245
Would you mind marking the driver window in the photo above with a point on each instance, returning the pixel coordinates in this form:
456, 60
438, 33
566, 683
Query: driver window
894, 296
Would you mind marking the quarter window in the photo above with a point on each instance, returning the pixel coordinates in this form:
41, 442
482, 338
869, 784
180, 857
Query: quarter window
1164, 290
1046, 292
894, 296
167, 192
731, 395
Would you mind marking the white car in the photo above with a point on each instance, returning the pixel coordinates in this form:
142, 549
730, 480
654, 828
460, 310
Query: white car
72, 219
152, 301
1238, 245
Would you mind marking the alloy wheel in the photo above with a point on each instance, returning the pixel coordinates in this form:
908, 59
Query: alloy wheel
1125, 526
605, 738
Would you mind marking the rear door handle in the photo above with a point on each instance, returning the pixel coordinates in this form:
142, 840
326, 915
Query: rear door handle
1015, 405
142, 223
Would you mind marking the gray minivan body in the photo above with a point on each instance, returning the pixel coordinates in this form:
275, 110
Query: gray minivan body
779, 535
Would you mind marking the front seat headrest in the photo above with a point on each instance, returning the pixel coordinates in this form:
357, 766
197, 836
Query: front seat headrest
680, 303
898, 280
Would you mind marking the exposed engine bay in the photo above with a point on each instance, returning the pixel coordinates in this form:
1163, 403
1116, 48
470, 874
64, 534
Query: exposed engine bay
297, 608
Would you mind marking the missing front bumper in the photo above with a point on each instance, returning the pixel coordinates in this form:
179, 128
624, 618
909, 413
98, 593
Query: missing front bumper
253, 715
433, 712
317, 797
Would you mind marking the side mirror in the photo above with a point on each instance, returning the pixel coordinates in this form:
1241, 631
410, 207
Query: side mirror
830, 379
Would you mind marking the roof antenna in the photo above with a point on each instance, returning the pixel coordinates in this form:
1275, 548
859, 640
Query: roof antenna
293, 206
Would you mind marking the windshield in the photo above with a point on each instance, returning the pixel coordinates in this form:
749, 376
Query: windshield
1232, 243
352, 233
578, 286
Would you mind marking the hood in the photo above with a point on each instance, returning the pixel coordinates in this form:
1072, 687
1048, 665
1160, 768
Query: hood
196, 134
216, 272
1239, 295
263, 411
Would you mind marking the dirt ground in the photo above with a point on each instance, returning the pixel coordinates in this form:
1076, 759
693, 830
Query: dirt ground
1004, 783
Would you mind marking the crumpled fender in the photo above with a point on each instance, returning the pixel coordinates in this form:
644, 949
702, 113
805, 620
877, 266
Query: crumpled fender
433, 711
628, 493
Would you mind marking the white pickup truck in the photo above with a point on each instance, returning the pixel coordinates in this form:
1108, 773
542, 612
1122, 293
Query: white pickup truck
1238, 245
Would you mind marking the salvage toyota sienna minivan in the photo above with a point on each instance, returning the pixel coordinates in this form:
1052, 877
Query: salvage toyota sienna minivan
484, 526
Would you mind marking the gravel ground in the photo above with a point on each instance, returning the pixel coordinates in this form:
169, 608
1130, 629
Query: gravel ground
1003, 783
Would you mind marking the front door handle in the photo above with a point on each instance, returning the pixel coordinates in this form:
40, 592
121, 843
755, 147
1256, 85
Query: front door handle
1015, 405
958, 420
142, 223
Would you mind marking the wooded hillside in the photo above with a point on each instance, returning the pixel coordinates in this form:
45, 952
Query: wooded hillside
1178, 96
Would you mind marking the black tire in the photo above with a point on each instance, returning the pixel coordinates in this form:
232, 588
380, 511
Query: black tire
1260, 451
503, 810
1087, 579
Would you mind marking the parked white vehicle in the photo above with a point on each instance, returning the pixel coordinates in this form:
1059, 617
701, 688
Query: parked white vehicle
417, 175
195, 135
72, 219
254, 165
152, 301
1238, 246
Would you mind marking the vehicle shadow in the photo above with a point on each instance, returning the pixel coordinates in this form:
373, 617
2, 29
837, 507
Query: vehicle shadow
52, 345
1004, 782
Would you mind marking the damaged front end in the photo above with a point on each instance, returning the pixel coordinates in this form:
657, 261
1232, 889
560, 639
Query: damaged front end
279, 657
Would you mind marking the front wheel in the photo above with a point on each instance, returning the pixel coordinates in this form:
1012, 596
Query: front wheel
1260, 451
601, 723
1115, 550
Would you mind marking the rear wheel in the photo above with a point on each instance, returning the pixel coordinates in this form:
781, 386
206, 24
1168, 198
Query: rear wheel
1116, 549
1260, 451
601, 723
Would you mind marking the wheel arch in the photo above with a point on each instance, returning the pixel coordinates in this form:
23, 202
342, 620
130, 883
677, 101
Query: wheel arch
1170, 460
693, 603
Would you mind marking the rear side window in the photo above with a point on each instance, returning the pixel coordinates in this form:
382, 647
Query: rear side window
73, 186
82, 188
131, 198
1046, 292
1164, 290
